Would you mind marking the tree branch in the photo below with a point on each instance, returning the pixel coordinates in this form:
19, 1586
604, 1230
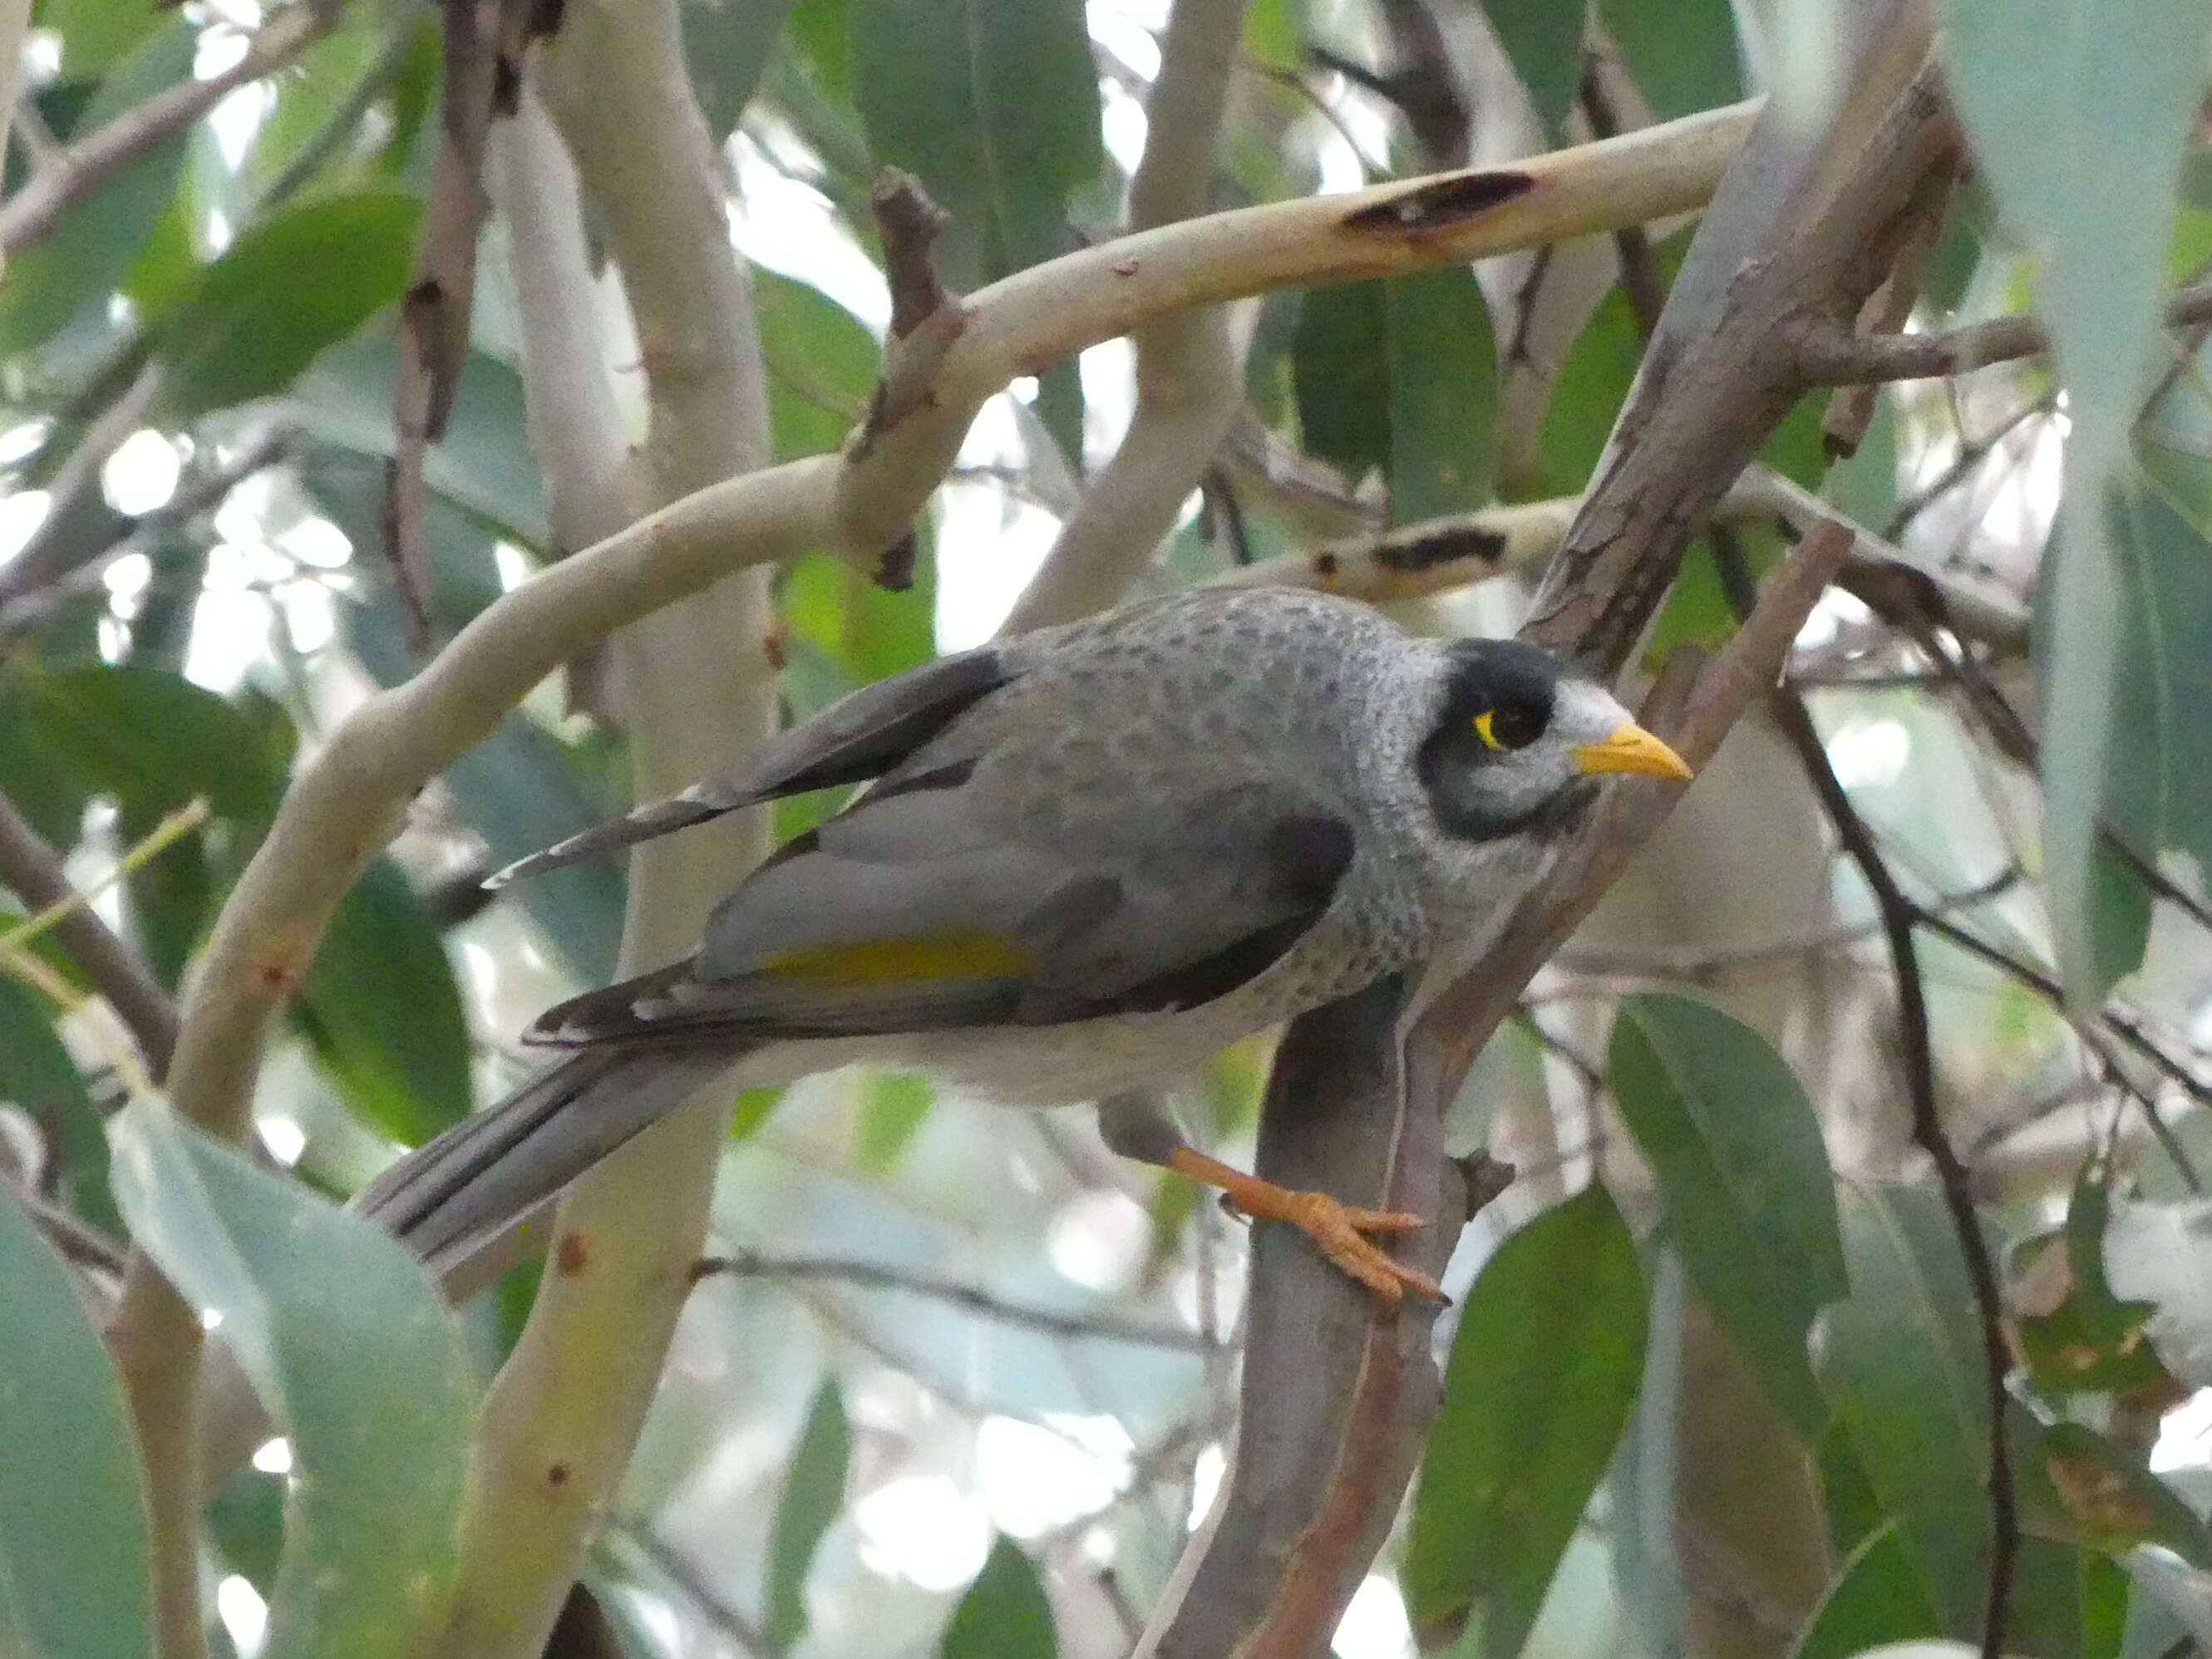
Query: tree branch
1839, 356
877, 1276
696, 691
1188, 385
32, 871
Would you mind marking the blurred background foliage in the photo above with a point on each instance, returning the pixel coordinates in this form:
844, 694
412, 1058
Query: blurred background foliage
1714, 1379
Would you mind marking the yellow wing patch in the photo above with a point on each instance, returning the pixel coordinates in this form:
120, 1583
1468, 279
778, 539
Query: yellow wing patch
972, 953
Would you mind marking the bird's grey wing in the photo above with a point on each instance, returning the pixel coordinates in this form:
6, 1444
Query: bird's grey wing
923, 908
857, 738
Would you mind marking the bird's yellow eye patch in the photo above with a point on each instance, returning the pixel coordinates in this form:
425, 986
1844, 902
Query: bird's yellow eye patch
1486, 728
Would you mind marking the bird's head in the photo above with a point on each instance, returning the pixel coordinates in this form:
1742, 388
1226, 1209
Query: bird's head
1519, 741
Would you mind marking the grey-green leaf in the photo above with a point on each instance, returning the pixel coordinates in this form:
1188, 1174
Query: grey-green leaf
813, 1491
74, 1558
1543, 1374
355, 1356
2079, 110
1737, 1151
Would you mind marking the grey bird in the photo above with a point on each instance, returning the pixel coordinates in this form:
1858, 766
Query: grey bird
1092, 857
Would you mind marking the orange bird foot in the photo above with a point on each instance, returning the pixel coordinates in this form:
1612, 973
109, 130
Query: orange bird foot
1339, 1229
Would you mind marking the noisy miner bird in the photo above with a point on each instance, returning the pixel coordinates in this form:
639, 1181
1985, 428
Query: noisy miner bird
1092, 857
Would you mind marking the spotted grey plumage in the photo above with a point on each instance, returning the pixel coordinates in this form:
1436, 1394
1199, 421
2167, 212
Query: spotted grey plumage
1091, 856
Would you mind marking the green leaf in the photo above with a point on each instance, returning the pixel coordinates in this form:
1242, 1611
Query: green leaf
2079, 110
1400, 375
1681, 53
1875, 1600
822, 364
356, 1357
74, 1556
1853, 1512
81, 259
813, 1491
1586, 393
1340, 368
822, 29
1542, 1377
96, 34
149, 739
993, 105
1004, 1614
891, 1113
1901, 1362
1735, 1146
1443, 393
1544, 40
380, 1005
726, 46
288, 289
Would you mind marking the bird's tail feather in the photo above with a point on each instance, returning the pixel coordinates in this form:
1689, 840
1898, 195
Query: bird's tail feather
452, 1197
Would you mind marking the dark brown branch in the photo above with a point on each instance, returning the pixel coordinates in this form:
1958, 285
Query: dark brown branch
869, 1275
32, 871
1900, 917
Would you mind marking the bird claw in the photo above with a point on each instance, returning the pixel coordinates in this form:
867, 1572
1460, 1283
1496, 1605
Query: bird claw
1339, 1229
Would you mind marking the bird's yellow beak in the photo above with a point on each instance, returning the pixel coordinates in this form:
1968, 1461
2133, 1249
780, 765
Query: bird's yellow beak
1630, 748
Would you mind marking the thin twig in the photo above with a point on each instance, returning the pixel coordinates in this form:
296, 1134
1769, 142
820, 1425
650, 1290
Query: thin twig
32, 871
1900, 919
870, 1275
679, 1570
1834, 355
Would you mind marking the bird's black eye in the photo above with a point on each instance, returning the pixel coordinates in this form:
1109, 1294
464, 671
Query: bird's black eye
1509, 726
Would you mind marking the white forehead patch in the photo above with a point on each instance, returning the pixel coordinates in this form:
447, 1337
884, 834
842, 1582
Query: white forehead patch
1584, 712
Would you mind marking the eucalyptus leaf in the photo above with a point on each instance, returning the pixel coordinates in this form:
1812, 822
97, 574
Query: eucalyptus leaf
356, 1357
75, 1560
81, 258
1542, 1377
1006, 1613
993, 106
382, 1011
2079, 110
291, 286
1737, 1150
1899, 1360
813, 1491
1543, 40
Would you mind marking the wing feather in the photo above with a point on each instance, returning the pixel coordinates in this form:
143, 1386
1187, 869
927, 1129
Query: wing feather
859, 737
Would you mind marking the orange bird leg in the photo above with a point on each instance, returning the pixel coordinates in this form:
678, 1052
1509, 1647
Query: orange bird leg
1339, 1229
